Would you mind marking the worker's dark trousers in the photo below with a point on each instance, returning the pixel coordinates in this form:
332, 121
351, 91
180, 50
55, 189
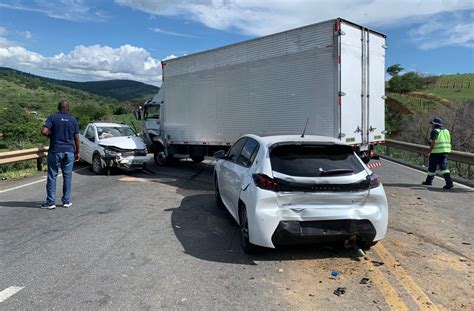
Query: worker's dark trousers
441, 160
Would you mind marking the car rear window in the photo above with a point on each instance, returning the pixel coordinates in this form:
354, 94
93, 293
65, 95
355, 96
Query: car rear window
314, 160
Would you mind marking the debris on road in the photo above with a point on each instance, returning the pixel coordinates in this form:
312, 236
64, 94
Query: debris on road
340, 291
466, 243
280, 270
334, 274
377, 263
462, 259
364, 281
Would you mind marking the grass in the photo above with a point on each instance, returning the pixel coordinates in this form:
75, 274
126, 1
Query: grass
19, 170
455, 88
415, 104
454, 95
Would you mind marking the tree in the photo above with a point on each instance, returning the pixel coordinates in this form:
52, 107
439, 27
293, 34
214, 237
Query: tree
394, 70
408, 82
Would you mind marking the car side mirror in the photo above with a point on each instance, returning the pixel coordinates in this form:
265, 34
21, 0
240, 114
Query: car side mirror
219, 154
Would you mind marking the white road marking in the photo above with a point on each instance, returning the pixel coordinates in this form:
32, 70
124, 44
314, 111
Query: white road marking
424, 173
37, 181
10, 291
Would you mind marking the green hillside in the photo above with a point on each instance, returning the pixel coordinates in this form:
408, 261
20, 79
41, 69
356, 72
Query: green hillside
439, 91
26, 100
117, 89
450, 97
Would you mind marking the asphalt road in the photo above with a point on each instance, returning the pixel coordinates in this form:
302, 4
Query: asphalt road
158, 241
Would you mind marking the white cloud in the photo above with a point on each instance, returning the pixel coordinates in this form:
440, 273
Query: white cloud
26, 34
5, 43
258, 18
264, 17
72, 10
170, 57
171, 33
453, 29
88, 62
3, 31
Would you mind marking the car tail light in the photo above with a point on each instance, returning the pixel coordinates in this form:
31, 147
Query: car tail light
264, 182
374, 181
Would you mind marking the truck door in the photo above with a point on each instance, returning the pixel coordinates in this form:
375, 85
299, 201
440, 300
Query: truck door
362, 84
351, 91
376, 88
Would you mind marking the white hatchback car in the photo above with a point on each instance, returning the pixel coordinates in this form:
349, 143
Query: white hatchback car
290, 190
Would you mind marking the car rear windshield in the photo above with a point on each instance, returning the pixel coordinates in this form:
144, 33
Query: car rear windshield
314, 160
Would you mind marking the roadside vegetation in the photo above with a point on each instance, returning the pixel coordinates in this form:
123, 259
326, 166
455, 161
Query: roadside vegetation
413, 100
27, 100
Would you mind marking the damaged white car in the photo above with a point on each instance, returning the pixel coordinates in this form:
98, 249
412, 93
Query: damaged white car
108, 145
291, 190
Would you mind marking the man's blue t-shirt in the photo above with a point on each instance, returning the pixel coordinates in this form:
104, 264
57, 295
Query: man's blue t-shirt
62, 129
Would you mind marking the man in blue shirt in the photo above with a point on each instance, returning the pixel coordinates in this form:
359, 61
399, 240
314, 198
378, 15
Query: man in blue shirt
64, 144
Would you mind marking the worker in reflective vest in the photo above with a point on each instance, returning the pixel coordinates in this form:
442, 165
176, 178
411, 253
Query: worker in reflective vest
439, 149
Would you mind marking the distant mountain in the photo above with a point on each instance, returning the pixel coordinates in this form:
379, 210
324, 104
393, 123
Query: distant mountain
118, 89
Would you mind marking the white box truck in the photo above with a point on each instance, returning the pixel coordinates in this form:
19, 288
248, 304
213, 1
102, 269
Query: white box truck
330, 75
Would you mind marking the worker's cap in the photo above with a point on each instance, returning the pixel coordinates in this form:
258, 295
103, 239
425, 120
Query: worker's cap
437, 121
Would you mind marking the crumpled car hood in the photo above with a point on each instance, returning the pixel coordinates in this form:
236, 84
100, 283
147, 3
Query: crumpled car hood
125, 142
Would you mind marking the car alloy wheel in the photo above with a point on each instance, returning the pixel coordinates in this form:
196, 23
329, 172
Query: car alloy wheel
97, 165
248, 247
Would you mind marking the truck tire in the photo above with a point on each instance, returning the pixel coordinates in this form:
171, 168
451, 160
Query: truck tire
160, 158
97, 166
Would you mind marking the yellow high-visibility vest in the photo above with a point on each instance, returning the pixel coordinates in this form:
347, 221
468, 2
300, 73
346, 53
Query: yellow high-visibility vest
443, 142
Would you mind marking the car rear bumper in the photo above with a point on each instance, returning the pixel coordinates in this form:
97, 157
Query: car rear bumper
302, 232
270, 223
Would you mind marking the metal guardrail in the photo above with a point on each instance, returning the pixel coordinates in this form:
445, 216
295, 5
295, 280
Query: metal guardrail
457, 156
24, 155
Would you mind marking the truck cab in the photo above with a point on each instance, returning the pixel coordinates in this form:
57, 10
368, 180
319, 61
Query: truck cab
150, 114
151, 122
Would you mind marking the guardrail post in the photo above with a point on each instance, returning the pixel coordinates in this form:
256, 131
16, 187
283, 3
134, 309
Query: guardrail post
39, 164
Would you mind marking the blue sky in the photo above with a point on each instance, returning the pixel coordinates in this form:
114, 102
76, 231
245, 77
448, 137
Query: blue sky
84, 40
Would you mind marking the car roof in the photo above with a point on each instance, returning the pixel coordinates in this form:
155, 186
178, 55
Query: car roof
105, 124
275, 139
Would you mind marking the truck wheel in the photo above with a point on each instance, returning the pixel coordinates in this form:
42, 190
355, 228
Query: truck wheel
197, 159
160, 158
97, 167
248, 247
